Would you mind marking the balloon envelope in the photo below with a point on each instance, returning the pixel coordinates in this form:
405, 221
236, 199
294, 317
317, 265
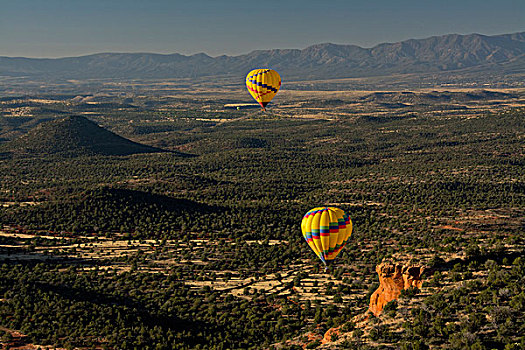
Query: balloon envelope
263, 84
326, 230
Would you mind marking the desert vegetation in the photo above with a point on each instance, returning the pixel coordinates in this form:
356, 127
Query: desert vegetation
200, 246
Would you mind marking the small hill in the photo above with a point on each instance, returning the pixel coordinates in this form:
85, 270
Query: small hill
73, 136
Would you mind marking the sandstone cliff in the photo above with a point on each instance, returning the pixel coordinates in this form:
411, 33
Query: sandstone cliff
393, 278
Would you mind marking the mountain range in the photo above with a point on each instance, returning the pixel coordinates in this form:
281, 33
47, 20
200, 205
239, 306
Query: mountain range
505, 53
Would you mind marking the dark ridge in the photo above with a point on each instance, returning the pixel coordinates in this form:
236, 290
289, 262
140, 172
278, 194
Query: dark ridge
400, 98
111, 209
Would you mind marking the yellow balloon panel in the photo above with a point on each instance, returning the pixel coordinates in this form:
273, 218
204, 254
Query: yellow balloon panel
326, 230
263, 84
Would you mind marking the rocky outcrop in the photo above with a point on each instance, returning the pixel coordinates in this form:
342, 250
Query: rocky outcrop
393, 278
331, 335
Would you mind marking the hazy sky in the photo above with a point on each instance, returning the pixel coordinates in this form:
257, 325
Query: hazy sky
58, 28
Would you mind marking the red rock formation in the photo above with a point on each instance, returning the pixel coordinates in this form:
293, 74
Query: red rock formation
311, 337
330, 335
393, 279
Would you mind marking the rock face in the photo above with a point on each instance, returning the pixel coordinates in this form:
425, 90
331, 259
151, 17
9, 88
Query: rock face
393, 279
330, 335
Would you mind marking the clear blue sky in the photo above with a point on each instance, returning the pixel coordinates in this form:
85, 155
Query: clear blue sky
58, 28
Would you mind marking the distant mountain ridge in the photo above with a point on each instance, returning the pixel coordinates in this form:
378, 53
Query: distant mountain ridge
438, 53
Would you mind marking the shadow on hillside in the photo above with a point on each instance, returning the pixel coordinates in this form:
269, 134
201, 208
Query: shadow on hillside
498, 257
129, 196
132, 306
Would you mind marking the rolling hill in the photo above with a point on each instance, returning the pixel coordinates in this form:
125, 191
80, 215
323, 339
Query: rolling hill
445, 53
71, 137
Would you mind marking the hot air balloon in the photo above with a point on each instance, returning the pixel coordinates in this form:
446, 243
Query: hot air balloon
263, 84
326, 230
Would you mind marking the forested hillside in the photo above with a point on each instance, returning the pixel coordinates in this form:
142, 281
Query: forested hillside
159, 251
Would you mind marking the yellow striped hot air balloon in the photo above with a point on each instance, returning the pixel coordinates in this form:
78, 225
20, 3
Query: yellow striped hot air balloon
263, 84
326, 230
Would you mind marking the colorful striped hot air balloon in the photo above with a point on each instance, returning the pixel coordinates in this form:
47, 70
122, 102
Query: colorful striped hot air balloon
263, 84
327, 230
